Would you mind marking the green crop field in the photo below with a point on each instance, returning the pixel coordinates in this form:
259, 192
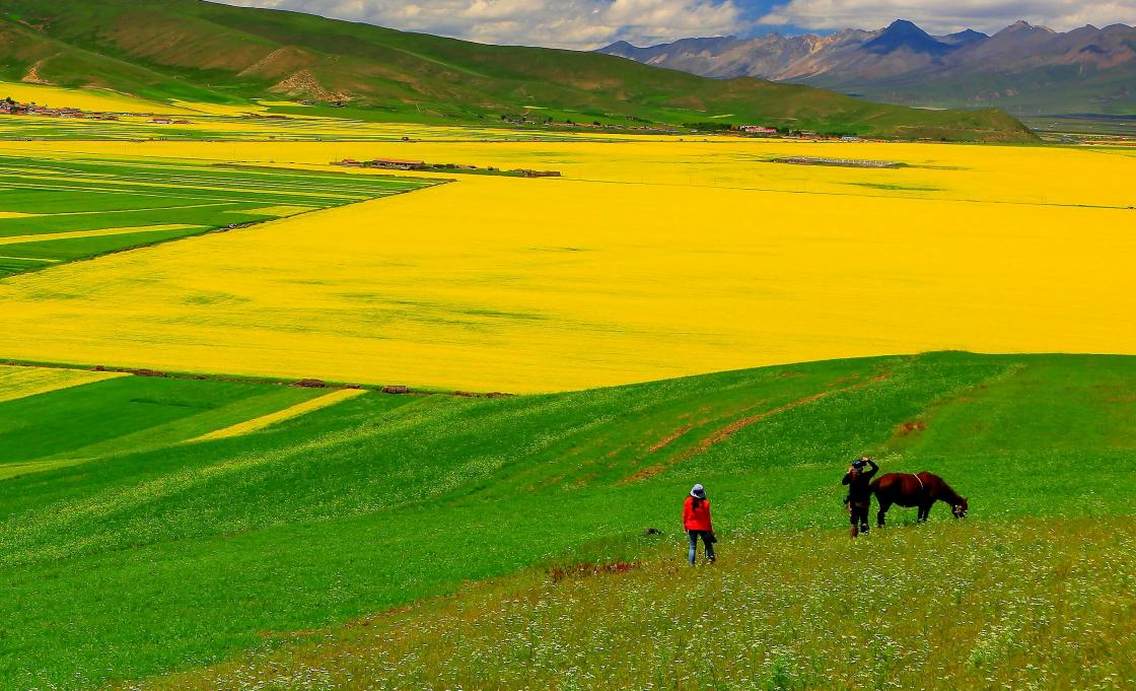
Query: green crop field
55, 210
134, 551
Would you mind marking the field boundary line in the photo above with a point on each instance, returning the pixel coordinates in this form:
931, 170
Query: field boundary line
390, 389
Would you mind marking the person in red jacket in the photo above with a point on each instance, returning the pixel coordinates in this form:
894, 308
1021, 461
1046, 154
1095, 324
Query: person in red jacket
696, 522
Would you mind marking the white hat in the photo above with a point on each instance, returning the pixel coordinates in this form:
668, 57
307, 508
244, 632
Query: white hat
698, 492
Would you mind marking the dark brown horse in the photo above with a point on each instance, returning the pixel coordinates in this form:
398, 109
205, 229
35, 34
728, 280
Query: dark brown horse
921, 490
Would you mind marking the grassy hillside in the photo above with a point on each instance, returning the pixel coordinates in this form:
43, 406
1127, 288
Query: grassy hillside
193, 50
131, 552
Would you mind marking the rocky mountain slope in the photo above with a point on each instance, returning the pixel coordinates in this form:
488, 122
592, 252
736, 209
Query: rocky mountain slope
1023, 68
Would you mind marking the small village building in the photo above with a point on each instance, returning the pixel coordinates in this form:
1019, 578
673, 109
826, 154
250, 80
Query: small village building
396, 164
757, 129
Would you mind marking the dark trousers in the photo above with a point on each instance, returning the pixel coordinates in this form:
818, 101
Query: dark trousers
859, 514
706, 536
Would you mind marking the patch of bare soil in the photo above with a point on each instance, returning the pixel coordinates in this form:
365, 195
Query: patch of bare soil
33, 76
286, 60
911, 427
586, 570
305, 85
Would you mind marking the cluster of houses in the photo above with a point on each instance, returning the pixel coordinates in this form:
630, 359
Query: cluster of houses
546, 121
9, 106
840, 162
764, 131
400, 164
757, 129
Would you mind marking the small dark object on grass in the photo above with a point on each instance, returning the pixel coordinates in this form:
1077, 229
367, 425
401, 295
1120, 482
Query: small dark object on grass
652, 531
311, 384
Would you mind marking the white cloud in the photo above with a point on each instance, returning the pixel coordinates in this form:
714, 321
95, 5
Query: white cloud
578, 24
937, 16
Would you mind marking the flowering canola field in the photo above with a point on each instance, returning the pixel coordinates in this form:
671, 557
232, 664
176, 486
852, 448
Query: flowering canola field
21, 382
648, 259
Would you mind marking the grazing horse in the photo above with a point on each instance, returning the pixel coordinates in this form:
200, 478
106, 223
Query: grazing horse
916, 489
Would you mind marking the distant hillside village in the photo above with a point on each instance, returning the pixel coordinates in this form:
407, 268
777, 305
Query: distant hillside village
10, 106
423, 166
749, 130
766, 131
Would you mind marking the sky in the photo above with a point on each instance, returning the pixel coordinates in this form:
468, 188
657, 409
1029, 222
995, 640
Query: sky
588, 24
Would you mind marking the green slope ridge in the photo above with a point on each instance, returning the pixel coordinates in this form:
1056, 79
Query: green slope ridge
198, 50
135, 563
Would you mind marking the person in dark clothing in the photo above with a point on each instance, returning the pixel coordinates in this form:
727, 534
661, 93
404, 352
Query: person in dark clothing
859, 500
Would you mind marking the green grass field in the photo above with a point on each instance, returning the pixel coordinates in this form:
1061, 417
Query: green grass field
139, 554
57, 210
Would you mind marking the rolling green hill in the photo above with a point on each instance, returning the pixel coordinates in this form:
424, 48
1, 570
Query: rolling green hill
187, 49
128, 550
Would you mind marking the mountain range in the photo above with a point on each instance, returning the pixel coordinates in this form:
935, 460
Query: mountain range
202, 51
1024, 69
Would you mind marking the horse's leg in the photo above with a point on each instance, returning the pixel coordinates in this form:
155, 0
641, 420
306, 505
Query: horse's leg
924, 512
884, 506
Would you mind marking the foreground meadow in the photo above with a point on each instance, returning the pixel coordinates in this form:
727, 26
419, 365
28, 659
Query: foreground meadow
1029, 604
647, 259
136, 541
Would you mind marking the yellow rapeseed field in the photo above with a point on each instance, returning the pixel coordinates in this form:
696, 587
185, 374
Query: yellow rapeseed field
21, 382
650, 258
85, 99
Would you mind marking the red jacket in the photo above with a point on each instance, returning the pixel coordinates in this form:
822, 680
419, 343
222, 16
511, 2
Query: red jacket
696, 519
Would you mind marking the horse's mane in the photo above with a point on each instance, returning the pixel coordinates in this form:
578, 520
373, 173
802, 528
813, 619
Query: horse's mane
949, 494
